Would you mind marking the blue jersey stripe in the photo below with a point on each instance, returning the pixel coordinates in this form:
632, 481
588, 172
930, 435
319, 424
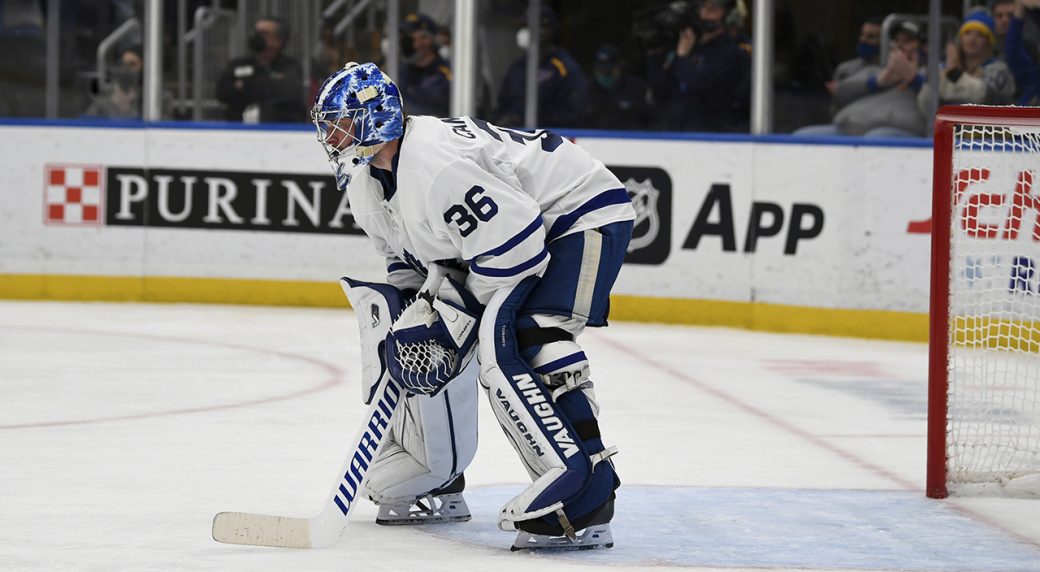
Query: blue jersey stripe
397, 266
557, 364
517, 239
500, 272
604, 199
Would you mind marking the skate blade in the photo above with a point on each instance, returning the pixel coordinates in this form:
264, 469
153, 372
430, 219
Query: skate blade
413, 521
591, 538
429, 510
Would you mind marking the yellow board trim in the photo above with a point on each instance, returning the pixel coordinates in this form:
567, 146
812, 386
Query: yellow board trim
877, 324
161, 289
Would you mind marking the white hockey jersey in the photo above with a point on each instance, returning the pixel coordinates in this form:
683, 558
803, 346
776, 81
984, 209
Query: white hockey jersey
487, 197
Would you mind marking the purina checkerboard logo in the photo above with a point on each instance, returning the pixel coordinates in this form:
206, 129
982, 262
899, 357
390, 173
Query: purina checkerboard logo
94, 195
73, 195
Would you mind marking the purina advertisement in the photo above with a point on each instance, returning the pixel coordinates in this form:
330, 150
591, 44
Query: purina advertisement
744, 221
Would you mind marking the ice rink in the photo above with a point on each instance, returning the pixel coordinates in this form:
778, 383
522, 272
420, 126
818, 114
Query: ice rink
125, 427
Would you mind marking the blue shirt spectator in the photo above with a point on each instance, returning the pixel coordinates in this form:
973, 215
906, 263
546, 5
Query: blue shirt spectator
562, 87
425, 77
1018, 58
698, 84
618, 100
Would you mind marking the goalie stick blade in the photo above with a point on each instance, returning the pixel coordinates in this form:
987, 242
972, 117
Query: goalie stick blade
325, 528
261, 530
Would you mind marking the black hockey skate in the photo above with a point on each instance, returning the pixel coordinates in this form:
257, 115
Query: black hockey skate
585, 533
437, 506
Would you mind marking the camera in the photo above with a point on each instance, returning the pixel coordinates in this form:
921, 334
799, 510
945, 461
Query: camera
657, 28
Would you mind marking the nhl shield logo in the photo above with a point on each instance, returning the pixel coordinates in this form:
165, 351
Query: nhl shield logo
651, 192
644, 200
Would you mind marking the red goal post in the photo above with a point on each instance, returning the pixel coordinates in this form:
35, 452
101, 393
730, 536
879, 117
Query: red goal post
984, 342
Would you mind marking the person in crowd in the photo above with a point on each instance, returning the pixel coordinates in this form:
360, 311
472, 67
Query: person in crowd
617, 100
736, 24
972, 74
265, 86
562, 87
1002, 11
876, 101
868, 48
698, 82
23, 59
425, 77
120, 96
1020, 59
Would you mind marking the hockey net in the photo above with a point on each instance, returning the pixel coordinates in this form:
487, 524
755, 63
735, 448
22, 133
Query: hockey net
984, 371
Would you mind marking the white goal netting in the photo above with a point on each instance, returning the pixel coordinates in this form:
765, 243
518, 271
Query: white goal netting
993, 392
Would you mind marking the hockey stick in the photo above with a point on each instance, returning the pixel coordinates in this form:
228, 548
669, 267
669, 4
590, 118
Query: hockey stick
325, 528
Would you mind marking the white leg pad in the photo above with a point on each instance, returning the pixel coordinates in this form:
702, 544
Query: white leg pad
432, 440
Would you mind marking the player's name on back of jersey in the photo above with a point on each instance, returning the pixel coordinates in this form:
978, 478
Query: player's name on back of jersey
232, 200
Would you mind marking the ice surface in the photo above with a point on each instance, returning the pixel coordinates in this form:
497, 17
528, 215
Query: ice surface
125, 427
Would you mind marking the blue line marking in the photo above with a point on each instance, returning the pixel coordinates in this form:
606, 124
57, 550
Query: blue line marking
137, 124
773, 528
841, 141
837, 140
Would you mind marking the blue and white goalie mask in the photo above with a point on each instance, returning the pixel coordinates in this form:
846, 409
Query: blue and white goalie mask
358, 110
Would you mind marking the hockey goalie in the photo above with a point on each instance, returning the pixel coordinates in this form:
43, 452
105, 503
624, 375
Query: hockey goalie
531, 232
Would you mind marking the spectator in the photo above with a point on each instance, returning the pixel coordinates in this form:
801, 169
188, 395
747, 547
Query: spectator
562, 87
425, 77
443, 41
736, 24
23, 59
617, 100
972, 74
120, 96
699, 82
1019, 58
876, 101
868, 47
1002, 10
266, 86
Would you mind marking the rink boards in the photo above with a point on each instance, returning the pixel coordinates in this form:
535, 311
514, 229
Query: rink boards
765, 233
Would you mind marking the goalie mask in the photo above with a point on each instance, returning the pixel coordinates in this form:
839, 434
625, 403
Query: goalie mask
358, 110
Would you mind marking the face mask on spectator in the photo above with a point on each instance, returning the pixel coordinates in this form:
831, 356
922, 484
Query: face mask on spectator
866, 51
257, 42
126, 78
606, 80
709, 26
523, 38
